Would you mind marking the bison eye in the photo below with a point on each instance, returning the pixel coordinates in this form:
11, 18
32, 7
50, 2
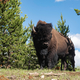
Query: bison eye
44, 46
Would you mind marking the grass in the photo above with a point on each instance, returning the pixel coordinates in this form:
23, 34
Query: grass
20, 74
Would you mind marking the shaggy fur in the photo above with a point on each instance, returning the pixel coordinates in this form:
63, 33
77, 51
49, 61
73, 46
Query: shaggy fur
49, 44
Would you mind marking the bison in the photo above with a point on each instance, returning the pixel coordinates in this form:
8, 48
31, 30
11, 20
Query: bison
50, 45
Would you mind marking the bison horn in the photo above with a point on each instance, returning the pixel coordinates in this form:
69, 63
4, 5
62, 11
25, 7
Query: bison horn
34, 30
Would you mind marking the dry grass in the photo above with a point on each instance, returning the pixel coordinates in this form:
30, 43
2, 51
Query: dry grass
19, 74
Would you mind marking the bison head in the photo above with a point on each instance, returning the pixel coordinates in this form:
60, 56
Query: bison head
41, 37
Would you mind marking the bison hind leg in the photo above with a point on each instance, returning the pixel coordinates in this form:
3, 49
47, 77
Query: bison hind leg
71, 57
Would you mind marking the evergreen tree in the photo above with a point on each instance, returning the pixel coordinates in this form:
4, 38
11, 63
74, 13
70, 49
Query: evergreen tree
32, 58
12, 35
77, 11
62, 28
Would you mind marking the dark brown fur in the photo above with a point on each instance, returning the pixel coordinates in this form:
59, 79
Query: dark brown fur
42, 22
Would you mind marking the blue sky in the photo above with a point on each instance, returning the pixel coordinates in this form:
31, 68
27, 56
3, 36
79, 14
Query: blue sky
50, 12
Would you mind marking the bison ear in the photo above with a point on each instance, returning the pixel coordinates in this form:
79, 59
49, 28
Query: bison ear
49, 26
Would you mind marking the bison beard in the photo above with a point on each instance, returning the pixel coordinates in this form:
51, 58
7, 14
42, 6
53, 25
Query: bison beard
44, 52
49, 44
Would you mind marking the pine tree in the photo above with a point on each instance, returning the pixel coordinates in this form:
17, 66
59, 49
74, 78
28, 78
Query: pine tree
32, 58
62, 28
12, 35
77, 11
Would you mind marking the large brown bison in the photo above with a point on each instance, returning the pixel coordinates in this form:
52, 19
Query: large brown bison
50, 45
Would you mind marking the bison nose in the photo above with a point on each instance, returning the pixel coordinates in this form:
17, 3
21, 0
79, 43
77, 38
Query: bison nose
45, 44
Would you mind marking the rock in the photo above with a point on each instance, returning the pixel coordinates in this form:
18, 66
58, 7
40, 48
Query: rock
42, 76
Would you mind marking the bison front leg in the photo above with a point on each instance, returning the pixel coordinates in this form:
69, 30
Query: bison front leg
42, 62
52, 60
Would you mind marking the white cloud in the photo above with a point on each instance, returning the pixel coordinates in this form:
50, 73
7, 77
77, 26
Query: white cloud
72, 8
77, 58
59, 0
76, 40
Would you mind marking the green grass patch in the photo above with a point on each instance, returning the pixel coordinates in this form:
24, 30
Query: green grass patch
21, 74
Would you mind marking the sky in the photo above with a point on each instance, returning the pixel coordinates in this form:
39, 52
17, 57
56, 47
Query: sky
50, 12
